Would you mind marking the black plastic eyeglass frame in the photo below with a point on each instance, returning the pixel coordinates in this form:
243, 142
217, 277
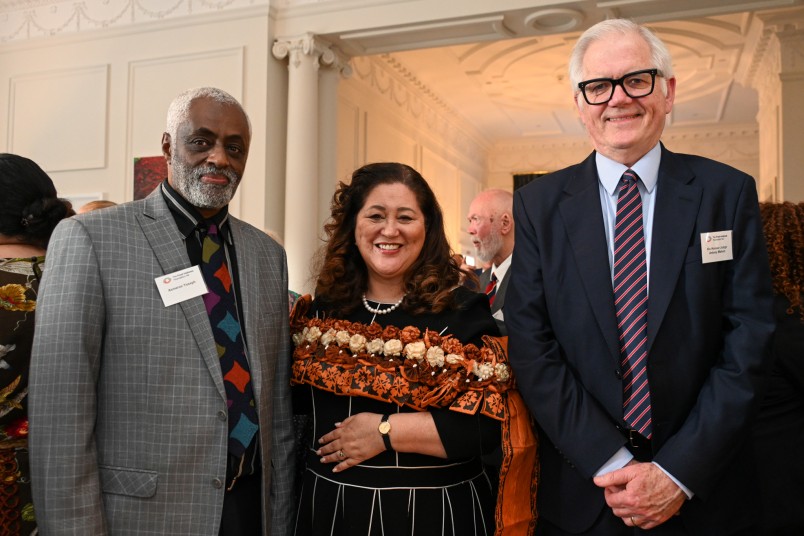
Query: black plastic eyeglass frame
619, 82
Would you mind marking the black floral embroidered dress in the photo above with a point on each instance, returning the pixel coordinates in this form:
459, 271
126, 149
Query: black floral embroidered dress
402, 493
19, 281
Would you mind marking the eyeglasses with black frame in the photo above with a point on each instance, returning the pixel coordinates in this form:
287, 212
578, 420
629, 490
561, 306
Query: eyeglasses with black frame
637, 84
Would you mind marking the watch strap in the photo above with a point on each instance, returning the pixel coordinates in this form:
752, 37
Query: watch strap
386, 436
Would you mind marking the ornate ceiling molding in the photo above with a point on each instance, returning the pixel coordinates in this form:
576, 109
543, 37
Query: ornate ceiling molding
30, 19
771, 30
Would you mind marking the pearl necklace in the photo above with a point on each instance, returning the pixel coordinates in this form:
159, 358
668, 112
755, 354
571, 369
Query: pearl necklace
379, 311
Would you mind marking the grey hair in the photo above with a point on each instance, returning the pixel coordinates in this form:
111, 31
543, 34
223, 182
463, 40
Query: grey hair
658, 50
179, 109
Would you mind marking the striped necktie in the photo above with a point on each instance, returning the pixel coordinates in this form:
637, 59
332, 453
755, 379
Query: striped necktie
631, 303
491, 288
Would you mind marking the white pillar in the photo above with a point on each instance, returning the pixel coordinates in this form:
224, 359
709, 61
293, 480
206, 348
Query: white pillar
337, 67
301, 164
779, 80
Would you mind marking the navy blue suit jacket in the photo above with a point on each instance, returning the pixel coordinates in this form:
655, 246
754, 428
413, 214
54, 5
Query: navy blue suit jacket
708, 332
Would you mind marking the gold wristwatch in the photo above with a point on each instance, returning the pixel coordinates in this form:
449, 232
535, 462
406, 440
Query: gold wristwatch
385, 431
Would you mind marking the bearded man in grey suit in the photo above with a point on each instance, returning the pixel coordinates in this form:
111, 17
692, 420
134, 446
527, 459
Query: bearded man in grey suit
491, 225
130, 409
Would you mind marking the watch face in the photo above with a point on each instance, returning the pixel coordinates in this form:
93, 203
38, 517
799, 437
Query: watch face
385, 427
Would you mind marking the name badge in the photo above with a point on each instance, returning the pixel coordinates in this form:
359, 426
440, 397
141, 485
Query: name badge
716, 247
181, 285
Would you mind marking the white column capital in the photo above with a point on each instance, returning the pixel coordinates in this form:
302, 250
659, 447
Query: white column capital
338, 62
778, 46
316, 48
308, 44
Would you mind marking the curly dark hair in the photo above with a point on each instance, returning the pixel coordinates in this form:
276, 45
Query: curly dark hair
343, 276
29, 206
783, 226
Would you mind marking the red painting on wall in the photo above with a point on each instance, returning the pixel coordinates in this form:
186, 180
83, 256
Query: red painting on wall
149, 171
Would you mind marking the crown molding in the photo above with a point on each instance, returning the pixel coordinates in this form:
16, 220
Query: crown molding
38, 21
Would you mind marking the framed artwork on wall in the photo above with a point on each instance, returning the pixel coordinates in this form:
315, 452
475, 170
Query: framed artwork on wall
149, 171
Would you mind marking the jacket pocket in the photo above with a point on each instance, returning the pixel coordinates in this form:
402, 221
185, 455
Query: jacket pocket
125, 481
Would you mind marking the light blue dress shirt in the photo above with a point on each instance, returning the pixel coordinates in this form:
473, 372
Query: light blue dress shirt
609, 173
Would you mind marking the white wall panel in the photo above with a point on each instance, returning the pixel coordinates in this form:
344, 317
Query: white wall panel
442, 177
387, 142
58, 118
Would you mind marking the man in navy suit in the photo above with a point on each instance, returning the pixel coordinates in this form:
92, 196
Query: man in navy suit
638, 344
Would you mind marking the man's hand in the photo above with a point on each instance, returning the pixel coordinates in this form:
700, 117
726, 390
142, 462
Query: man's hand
641, 494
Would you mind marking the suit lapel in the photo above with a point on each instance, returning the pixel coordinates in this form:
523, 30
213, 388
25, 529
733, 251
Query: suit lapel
499, 299
583, 220
167, 243
248, 269
676, 210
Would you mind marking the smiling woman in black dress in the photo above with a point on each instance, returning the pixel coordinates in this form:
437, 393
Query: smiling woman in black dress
391, 364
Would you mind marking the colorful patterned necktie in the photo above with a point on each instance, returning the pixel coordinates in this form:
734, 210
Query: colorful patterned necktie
222, 310
631, 303
491, 288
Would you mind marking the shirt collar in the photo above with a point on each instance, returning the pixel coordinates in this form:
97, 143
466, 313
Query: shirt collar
646, 167
187, 217
501, 270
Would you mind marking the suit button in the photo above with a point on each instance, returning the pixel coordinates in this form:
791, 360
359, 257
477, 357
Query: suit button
217, 483
619, 374
222, 415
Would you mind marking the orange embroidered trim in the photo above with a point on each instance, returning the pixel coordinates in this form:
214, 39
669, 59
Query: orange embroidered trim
399, 366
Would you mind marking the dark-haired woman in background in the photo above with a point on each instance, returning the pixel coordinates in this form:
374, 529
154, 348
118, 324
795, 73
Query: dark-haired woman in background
779, 430
390, 357
29, 211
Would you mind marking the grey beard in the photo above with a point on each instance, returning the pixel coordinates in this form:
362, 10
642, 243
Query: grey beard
187, 181
489, 247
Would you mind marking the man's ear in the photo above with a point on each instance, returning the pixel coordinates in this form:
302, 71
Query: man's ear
166, 146
506, 223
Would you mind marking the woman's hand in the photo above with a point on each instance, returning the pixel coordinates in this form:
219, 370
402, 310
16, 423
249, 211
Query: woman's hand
358, 438
352, 441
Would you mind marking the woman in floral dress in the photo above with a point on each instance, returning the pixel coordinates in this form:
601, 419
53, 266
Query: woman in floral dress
29, 211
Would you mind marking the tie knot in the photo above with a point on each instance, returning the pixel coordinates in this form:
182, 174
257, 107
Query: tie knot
629, 178
207, 228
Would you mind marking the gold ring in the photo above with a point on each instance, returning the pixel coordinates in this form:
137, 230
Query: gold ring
341, 455
634, 523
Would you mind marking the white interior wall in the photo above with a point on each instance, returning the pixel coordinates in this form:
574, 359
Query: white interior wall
385, 116
84, 105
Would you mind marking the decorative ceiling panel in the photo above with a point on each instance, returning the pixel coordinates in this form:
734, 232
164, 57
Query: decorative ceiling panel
30, 19
519, 87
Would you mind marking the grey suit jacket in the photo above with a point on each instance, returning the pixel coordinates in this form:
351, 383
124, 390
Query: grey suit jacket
499, 297
128, 431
